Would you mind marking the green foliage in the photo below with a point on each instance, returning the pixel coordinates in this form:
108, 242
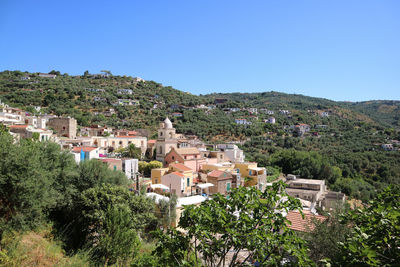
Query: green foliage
92, 206
166, 214
132, 152
306, 164
323, 241
146, 167
117, 241
174, 249
31, 178
375, 233
245, 222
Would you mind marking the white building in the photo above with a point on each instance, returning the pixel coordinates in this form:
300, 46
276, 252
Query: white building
130, 167
85, 153
232, 152
270, 120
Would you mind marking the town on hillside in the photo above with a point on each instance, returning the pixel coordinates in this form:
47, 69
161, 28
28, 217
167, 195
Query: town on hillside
181, 165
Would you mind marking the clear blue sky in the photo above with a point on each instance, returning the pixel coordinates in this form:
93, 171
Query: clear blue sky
341, 50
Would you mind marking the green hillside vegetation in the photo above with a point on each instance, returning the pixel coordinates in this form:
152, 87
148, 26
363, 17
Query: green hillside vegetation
346, 150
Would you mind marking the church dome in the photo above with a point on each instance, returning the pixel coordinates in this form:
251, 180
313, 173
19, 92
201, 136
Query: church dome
167, 124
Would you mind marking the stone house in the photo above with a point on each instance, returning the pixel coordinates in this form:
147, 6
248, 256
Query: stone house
221, 180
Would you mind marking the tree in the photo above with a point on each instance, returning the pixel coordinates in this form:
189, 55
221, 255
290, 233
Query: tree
374, 239
146, 167
323, 241
167, 211
117, 241
91, 214
248, 225
132, 152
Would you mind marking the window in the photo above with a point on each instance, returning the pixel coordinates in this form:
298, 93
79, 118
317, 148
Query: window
188, 182
156, 180
185, 157
129, 142
173, 158
160, 133
160, 148
228, 187
220, 156
141, 143
120, 142
115, 167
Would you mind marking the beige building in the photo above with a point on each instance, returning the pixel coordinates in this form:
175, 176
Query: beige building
157, 173
63, 126
252, 175
116, 142
221, 180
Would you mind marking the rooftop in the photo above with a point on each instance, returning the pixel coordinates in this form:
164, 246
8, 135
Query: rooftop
303, 225
83, 148
180, 167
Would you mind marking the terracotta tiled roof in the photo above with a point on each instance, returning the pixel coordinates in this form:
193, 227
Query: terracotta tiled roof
18, 126
109, 160
215, 173
303, 225
187, 151
151, 141
178, 173
180, 167
84, 148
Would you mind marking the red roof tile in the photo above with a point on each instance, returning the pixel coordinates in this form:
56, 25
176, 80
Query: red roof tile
84, 148
303, 225
215, 173
180, 167
18, 126
178, 173
151, 141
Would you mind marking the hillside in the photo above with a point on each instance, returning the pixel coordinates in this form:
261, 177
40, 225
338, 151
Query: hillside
348, 136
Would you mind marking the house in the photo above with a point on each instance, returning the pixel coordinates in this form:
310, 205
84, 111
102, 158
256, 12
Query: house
138, 79
125, 91
42, 134
10, 118
85, 153
186, 171
130, 167
115, 142
189, 156
46, 75
128, 102
157, 173
232, 152
242, 121
252, 175
113, 164
325, 114
284, 111
301, 129
221, 180
63, 126
24, 78
387, 147
307, 189
270, 120
176, 182
253, 110
98, 99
